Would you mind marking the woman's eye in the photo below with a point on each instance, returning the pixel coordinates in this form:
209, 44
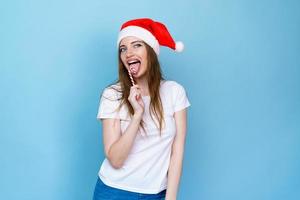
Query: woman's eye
122, 50
137, 45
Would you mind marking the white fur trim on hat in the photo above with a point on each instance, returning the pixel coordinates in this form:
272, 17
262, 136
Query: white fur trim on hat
141, 33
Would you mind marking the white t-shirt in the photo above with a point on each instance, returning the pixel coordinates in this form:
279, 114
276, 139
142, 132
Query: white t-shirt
145, 169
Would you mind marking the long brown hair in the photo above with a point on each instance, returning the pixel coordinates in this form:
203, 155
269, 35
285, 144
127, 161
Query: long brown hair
154, 78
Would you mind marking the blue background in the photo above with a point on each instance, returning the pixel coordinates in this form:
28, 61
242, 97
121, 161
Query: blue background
240, 68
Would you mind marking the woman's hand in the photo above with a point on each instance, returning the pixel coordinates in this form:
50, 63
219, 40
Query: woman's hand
135, 99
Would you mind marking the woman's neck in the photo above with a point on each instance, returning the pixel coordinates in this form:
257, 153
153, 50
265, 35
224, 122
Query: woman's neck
143, 83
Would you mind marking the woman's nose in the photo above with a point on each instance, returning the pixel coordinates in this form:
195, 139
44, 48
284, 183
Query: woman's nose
129, 52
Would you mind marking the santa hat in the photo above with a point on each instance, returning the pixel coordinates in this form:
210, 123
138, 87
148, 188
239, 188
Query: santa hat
151, 32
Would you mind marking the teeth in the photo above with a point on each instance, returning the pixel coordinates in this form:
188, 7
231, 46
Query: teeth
132, 61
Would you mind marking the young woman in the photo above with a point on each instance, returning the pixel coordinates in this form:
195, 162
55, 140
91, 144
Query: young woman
143, 119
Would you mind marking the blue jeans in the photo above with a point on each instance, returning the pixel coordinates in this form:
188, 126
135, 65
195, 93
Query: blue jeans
105, 192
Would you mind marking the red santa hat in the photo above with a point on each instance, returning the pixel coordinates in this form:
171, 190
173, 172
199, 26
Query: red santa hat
152, 32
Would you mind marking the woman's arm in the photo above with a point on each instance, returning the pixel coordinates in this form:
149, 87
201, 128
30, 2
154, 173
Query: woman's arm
116, 145
175, 168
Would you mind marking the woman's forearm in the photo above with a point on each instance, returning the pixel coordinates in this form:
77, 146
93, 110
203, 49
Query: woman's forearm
174, 172
118, 152
176, 161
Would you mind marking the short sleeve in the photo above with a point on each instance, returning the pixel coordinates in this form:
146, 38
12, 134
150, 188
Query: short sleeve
109, 104
181, 99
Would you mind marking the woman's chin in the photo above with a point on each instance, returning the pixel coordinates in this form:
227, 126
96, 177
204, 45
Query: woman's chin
138, 76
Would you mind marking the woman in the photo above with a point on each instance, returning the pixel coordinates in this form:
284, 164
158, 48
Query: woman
143, 119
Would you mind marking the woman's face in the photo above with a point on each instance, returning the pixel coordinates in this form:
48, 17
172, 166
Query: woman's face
133, 54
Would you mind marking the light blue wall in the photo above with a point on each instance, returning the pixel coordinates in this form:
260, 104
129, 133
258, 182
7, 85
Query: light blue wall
240, 68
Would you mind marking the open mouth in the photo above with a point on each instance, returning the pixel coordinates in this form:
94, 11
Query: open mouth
134, 66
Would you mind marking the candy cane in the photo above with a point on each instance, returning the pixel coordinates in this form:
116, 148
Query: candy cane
132, 81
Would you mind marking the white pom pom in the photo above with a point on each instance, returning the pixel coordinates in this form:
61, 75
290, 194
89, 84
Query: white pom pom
179, 46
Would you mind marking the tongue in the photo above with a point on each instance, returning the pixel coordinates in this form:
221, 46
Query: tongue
134, 68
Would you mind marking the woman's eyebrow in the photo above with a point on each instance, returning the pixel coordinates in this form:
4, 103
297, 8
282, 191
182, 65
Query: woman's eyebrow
136, 41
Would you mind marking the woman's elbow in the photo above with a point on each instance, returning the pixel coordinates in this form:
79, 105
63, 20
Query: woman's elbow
114, 162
